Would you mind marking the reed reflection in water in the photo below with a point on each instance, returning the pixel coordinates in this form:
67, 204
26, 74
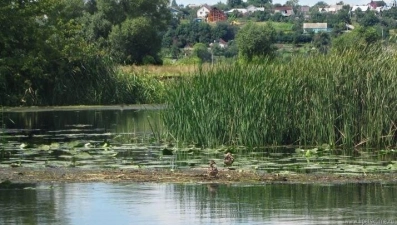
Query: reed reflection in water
142, 203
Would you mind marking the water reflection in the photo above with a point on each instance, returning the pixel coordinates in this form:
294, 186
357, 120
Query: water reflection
61, 125
134, 203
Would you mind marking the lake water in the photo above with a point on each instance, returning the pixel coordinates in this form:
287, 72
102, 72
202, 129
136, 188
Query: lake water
123, 137
129, 137
174, 204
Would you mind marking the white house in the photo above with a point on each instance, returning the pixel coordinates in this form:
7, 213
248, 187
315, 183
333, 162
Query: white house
331, 8
193, 6
240, 10
361, 7
315, 27
203, 11
252, 9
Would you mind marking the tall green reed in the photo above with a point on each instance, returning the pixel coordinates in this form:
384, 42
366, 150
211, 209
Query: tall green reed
344, 100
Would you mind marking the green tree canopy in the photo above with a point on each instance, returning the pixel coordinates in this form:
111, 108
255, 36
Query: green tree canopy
129, 29
134, 40
200, 50
234, 3
258, 2
43, 52
359, 39
322, 42
256, 41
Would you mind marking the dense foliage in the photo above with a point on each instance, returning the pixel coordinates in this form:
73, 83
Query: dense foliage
343, 99
256, 41
60, 52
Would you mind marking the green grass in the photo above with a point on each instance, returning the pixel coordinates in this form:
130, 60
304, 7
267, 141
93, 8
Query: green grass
344, 100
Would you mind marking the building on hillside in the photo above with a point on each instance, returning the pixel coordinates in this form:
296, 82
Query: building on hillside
315, 27
216, 15
239, 10
192, 6
331, 9
304, 9
252, 8
221, 43
244, 11
284, 10
376, 4
203, 11
363, 8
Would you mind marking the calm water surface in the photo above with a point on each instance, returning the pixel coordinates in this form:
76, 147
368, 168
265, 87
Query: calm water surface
128, 137
75, 138
134, 203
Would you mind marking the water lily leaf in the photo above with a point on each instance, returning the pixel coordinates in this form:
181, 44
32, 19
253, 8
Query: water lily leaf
314, 150
83, 155
88, 145
44, 147
75, 144
299, 151
55, 145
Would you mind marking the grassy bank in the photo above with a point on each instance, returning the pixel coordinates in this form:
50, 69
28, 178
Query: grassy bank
345, 100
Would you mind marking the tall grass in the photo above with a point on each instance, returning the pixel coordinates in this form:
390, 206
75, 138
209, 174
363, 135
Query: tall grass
345, 100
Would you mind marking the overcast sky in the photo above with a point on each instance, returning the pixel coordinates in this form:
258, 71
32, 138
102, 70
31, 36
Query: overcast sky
301, 2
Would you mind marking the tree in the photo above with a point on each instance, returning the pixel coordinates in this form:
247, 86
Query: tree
134, 40
127, 37
292, 2
369, 19
223, 30
200, 50
174, 4
359, 39
256, 41
44, 53
321, 4
258, 2
234, 3
322, 41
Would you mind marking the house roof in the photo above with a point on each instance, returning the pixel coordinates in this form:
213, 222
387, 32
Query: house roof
193, 6
304, 8
240, 10
283, 8
315, 26
221, 41
173, 10
375, 4
206, 6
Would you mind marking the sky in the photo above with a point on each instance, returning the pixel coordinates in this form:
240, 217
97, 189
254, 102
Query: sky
301, 2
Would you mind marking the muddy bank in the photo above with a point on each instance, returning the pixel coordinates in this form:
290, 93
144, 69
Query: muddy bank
23, 175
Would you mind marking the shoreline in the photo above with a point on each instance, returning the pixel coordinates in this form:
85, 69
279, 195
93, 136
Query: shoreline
76, 175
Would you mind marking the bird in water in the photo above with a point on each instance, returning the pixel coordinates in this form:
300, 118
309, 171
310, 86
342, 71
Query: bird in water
212, 170
229, 159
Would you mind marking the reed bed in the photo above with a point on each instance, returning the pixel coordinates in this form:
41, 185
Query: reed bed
345, 100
